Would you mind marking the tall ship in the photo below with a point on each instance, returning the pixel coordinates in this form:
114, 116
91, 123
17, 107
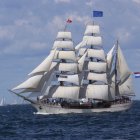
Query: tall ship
79, 79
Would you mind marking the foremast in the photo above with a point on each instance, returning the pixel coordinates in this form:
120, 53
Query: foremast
60, 67
66, 83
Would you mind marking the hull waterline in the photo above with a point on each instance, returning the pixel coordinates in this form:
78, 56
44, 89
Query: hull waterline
52, 109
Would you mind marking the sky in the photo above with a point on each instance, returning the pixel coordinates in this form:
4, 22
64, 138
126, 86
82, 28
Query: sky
28, 29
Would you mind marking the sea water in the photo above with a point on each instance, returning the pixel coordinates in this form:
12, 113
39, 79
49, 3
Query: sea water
18, 122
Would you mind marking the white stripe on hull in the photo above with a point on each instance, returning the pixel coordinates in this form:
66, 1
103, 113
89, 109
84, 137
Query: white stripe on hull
46, 109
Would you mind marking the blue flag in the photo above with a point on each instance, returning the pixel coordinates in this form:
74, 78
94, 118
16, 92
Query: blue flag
97, 13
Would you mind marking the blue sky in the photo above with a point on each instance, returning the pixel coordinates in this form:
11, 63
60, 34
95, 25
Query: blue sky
29, 27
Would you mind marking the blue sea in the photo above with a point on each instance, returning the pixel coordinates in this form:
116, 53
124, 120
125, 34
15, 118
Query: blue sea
17, 122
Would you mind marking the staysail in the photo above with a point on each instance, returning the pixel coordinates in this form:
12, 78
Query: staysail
121, 75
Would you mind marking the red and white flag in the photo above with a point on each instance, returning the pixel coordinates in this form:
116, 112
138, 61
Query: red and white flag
69, 20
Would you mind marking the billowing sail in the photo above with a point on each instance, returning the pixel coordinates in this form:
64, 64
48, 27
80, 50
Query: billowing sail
70, 92
102, 77
31, 83
92, 29
68, 55
68, 44
109, 58
45, 82
91, 40
69, 78
81, 62
68, 67
66, 35
79, 45
96, 53
123, 69
44, 66
97, 92
126, 88
97, 66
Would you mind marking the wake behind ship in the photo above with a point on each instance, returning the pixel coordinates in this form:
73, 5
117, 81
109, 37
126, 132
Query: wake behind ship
81, 79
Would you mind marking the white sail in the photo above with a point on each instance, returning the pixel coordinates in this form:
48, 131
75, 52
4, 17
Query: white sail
92, 40
45, 65
45, 82
112, 92
82, 51
70, 92
96, 53
53, 65
2, 102
31, 83
97, 66
68, 55
67, 44
79, 45
70, 78
122, 66
97, 77
92, 29
68, 67
110, 58
97, 92
126, 88
65, 35
81, 62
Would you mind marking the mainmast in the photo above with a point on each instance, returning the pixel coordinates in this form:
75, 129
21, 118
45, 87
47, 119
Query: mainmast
94, 69
116, 71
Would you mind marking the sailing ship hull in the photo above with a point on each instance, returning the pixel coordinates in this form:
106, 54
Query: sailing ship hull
52, 109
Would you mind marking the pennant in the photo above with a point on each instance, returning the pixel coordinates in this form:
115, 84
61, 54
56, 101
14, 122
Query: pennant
97, 13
